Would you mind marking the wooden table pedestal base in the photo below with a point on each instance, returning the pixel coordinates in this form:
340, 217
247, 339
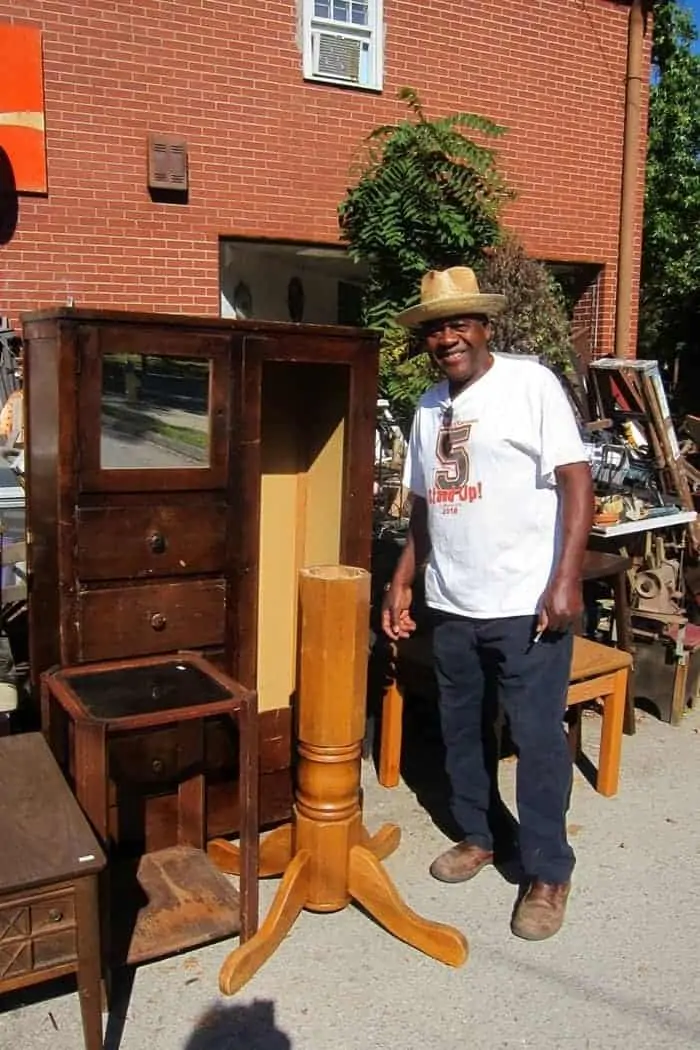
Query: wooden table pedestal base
367, 884
327, 856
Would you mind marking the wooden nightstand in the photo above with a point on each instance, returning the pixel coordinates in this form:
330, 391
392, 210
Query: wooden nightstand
127, 728
49, 866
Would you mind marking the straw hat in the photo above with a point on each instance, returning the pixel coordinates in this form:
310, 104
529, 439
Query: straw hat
449, 293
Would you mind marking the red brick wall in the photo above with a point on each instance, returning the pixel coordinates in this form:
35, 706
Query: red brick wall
269, 154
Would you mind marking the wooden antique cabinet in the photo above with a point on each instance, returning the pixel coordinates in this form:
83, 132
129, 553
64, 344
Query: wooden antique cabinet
180, 471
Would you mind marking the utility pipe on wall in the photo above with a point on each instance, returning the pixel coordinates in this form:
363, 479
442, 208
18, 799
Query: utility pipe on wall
630, 169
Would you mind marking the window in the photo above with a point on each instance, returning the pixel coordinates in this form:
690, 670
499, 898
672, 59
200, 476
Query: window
343, 42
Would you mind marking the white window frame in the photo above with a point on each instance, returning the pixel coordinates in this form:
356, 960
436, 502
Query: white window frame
372, 34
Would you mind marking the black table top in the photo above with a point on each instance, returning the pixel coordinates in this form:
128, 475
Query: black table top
127, 691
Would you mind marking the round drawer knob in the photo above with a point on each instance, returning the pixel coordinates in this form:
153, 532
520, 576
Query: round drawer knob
55, 915
157, 543
157, 765
158, 622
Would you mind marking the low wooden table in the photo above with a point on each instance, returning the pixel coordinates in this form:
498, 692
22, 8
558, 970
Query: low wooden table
49, 866
96, 715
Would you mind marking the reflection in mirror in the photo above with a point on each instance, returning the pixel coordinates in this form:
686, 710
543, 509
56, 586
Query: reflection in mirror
155, 412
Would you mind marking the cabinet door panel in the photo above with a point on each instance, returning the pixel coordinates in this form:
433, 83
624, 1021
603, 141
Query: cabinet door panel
154, 408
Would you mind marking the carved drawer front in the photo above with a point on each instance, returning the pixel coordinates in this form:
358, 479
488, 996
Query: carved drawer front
37, 932
15, 946
15, 958
14, 922
144, 541
54, 948
146, 619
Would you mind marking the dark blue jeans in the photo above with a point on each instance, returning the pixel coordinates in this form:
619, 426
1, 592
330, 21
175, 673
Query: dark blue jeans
481, 664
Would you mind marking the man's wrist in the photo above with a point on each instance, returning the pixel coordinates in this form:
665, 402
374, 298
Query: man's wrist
570, 577
396, 584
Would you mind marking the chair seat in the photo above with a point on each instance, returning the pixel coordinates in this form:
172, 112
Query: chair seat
591, 659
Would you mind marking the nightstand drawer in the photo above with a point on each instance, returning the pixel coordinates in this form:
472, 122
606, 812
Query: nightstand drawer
145, 759
151, 618
148, 541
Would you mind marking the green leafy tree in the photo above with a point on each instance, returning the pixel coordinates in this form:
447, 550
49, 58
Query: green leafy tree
670, 281
427, 197
535, 320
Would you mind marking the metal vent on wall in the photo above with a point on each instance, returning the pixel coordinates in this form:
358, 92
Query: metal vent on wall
337, 57
167, 162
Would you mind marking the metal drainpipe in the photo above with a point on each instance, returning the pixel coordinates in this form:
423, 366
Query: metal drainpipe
630, 168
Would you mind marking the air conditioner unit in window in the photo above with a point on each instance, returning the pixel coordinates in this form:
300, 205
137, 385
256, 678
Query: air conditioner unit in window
336, 56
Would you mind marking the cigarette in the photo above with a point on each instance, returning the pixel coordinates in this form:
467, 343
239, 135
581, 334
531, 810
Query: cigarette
538, 635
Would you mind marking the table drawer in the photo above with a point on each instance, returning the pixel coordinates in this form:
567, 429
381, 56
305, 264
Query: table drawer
144, 541
145, 619
52, 912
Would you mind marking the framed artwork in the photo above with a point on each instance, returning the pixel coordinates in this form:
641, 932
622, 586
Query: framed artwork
22, 124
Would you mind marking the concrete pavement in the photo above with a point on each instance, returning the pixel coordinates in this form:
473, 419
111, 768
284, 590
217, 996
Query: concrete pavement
623, 972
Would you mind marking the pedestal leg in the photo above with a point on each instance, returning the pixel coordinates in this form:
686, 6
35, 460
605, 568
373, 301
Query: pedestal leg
371, 887
275, 853
289, 900
384, 842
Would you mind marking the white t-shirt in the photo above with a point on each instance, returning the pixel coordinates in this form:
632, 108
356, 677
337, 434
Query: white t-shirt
490, 487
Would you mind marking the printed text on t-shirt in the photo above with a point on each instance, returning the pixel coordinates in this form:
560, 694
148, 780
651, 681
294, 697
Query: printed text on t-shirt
451, 477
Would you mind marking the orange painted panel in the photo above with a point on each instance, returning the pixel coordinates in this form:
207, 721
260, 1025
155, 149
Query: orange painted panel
22, 135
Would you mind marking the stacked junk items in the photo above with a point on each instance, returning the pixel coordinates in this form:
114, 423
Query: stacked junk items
647, 497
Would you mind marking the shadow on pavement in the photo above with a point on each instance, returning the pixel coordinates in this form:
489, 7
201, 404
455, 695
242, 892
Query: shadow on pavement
239, 1028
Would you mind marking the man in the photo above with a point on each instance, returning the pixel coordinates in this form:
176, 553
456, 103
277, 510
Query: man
502, 508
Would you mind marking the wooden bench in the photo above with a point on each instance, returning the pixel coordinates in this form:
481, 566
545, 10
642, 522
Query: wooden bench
598, 672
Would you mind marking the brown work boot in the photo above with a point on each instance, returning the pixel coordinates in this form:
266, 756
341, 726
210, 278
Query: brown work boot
460, 863
540, 913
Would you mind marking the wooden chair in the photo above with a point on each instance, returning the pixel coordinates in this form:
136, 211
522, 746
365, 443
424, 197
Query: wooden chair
598, 672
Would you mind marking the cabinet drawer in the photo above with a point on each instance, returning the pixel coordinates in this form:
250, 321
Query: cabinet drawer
146, 618
141, 541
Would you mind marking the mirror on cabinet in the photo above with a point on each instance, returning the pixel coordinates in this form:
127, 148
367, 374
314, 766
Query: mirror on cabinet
155, 412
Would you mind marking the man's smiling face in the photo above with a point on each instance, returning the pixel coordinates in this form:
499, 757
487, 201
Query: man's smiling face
459, 346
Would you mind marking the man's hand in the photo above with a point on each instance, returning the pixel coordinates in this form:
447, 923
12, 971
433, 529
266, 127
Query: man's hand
396, 617
562, 604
